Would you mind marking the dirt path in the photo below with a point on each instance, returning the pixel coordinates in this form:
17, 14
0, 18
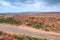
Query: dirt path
30, 31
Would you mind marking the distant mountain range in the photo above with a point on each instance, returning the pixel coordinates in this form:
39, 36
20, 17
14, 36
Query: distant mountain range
33, 13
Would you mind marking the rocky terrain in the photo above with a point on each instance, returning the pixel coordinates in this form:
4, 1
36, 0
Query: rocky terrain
46, 22
50, 20
8, 36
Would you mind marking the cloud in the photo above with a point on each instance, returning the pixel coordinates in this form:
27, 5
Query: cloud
5, 3
34, 3
51, 2
31, 5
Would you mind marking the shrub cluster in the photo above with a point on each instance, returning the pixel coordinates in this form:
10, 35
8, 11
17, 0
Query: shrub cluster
19, 37
28, 38
10, 20
41, 25
36, 24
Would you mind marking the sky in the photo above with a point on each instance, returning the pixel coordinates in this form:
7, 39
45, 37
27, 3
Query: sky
15, 6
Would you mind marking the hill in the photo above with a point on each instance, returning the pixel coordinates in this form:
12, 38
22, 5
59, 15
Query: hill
50, 20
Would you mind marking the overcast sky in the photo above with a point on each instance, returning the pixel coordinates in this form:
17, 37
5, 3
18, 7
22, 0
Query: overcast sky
29, 6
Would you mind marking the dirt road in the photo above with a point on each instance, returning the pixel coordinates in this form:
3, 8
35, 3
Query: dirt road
49, 35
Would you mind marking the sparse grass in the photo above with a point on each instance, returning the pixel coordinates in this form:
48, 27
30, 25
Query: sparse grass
41, 25
2, 33
10, 20
28, 38
36, 24
21, 37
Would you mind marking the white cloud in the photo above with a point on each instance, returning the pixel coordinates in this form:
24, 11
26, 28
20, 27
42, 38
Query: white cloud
4, 3
36, 4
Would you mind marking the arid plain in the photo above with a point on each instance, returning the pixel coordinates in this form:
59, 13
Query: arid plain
44, 24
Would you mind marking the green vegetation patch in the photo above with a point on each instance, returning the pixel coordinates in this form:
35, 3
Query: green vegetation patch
2, 33
28, 38
10, 20
36, 24
21, 37
41, 25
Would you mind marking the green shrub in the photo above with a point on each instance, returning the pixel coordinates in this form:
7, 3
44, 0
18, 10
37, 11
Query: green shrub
2, 33
10, 20
36, 24
28, 38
